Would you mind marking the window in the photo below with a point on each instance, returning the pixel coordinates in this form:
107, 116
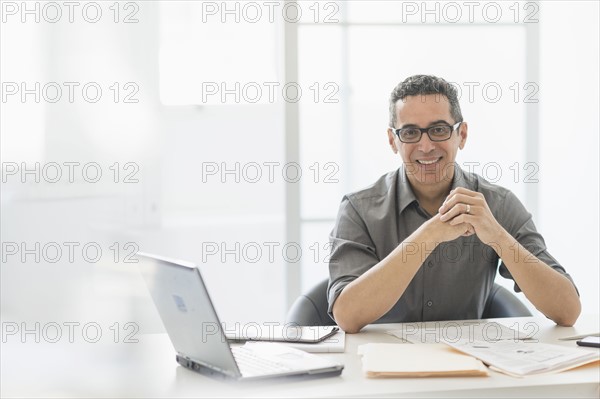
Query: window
376, 46
204, 61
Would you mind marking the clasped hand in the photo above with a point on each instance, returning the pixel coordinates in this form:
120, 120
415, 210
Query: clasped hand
466, 212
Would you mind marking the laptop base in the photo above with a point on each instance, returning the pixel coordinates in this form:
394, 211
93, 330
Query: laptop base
207, 371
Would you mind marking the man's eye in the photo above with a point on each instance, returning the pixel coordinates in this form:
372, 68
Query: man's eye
410, 132
438, 130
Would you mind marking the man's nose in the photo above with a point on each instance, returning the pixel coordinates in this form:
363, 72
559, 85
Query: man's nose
425, 144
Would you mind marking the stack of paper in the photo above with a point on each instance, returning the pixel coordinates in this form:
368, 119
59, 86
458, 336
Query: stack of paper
314, 339
282, 333
454, 331
406, 360
334, 344
522, 358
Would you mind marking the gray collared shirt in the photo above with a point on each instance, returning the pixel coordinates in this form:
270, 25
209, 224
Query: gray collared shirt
456, 278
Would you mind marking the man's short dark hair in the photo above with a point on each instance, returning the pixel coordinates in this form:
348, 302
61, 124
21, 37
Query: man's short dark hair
423, 85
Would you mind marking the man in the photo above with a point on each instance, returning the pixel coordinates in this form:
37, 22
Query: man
424, 242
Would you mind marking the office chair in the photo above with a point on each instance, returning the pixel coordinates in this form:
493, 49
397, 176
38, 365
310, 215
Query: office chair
310, 309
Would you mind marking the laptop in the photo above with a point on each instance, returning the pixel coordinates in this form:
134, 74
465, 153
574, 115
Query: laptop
195, 330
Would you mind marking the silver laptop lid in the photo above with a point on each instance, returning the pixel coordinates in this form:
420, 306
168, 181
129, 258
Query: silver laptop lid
187, 312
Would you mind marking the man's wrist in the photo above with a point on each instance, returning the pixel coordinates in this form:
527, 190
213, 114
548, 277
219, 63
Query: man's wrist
426, 233
505, 237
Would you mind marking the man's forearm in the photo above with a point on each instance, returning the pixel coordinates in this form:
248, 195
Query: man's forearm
375, 292
548, 290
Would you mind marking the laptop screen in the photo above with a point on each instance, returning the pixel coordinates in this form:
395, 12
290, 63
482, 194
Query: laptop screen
187, 312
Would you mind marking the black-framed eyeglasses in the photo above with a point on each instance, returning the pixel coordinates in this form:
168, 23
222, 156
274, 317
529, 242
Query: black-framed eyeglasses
435, 133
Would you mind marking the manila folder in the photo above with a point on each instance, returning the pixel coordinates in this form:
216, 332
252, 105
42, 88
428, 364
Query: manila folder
417, 360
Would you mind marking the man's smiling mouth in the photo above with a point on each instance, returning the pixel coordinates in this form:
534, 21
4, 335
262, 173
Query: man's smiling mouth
428, 161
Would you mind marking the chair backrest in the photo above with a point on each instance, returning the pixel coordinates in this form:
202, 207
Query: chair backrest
310, 309
502, 303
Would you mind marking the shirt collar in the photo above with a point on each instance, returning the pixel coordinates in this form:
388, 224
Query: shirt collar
461, 179
406, 196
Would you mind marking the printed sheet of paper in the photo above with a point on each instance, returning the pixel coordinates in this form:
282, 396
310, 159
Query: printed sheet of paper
454, 331
523, 358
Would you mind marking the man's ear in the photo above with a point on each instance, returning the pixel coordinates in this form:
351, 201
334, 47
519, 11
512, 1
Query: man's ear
391, 140
463, 133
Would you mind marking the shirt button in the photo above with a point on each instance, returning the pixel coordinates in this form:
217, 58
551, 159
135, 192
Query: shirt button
430, 264
429, 303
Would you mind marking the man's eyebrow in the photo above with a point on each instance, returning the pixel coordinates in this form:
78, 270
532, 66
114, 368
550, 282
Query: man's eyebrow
438, 122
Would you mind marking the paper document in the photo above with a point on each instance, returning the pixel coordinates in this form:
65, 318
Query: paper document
334, 344
524, 358
575, 337
453, 331
429, 360
281, 333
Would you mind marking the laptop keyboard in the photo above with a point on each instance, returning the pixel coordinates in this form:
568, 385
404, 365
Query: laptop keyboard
252, 364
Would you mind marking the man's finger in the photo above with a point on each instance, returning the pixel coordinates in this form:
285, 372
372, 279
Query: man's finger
462, 190
452, 200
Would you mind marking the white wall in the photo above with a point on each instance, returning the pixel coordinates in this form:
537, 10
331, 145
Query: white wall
569, 104
171, 211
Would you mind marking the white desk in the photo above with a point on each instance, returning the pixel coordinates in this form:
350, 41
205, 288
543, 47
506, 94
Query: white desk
148, 369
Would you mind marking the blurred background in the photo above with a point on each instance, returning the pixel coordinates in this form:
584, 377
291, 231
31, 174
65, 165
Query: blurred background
226, 133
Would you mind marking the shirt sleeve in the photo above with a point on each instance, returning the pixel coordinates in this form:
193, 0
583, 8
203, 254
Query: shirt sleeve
352, 251
519, 223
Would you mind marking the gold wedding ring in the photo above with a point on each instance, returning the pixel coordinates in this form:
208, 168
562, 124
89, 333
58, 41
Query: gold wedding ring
468, 209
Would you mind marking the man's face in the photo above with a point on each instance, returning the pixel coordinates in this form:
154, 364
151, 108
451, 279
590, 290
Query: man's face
427, 162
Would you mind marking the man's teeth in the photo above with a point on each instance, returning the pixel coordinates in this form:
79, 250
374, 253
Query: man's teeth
428, 162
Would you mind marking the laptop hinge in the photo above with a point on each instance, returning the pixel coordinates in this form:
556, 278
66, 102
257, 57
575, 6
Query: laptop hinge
204, 368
